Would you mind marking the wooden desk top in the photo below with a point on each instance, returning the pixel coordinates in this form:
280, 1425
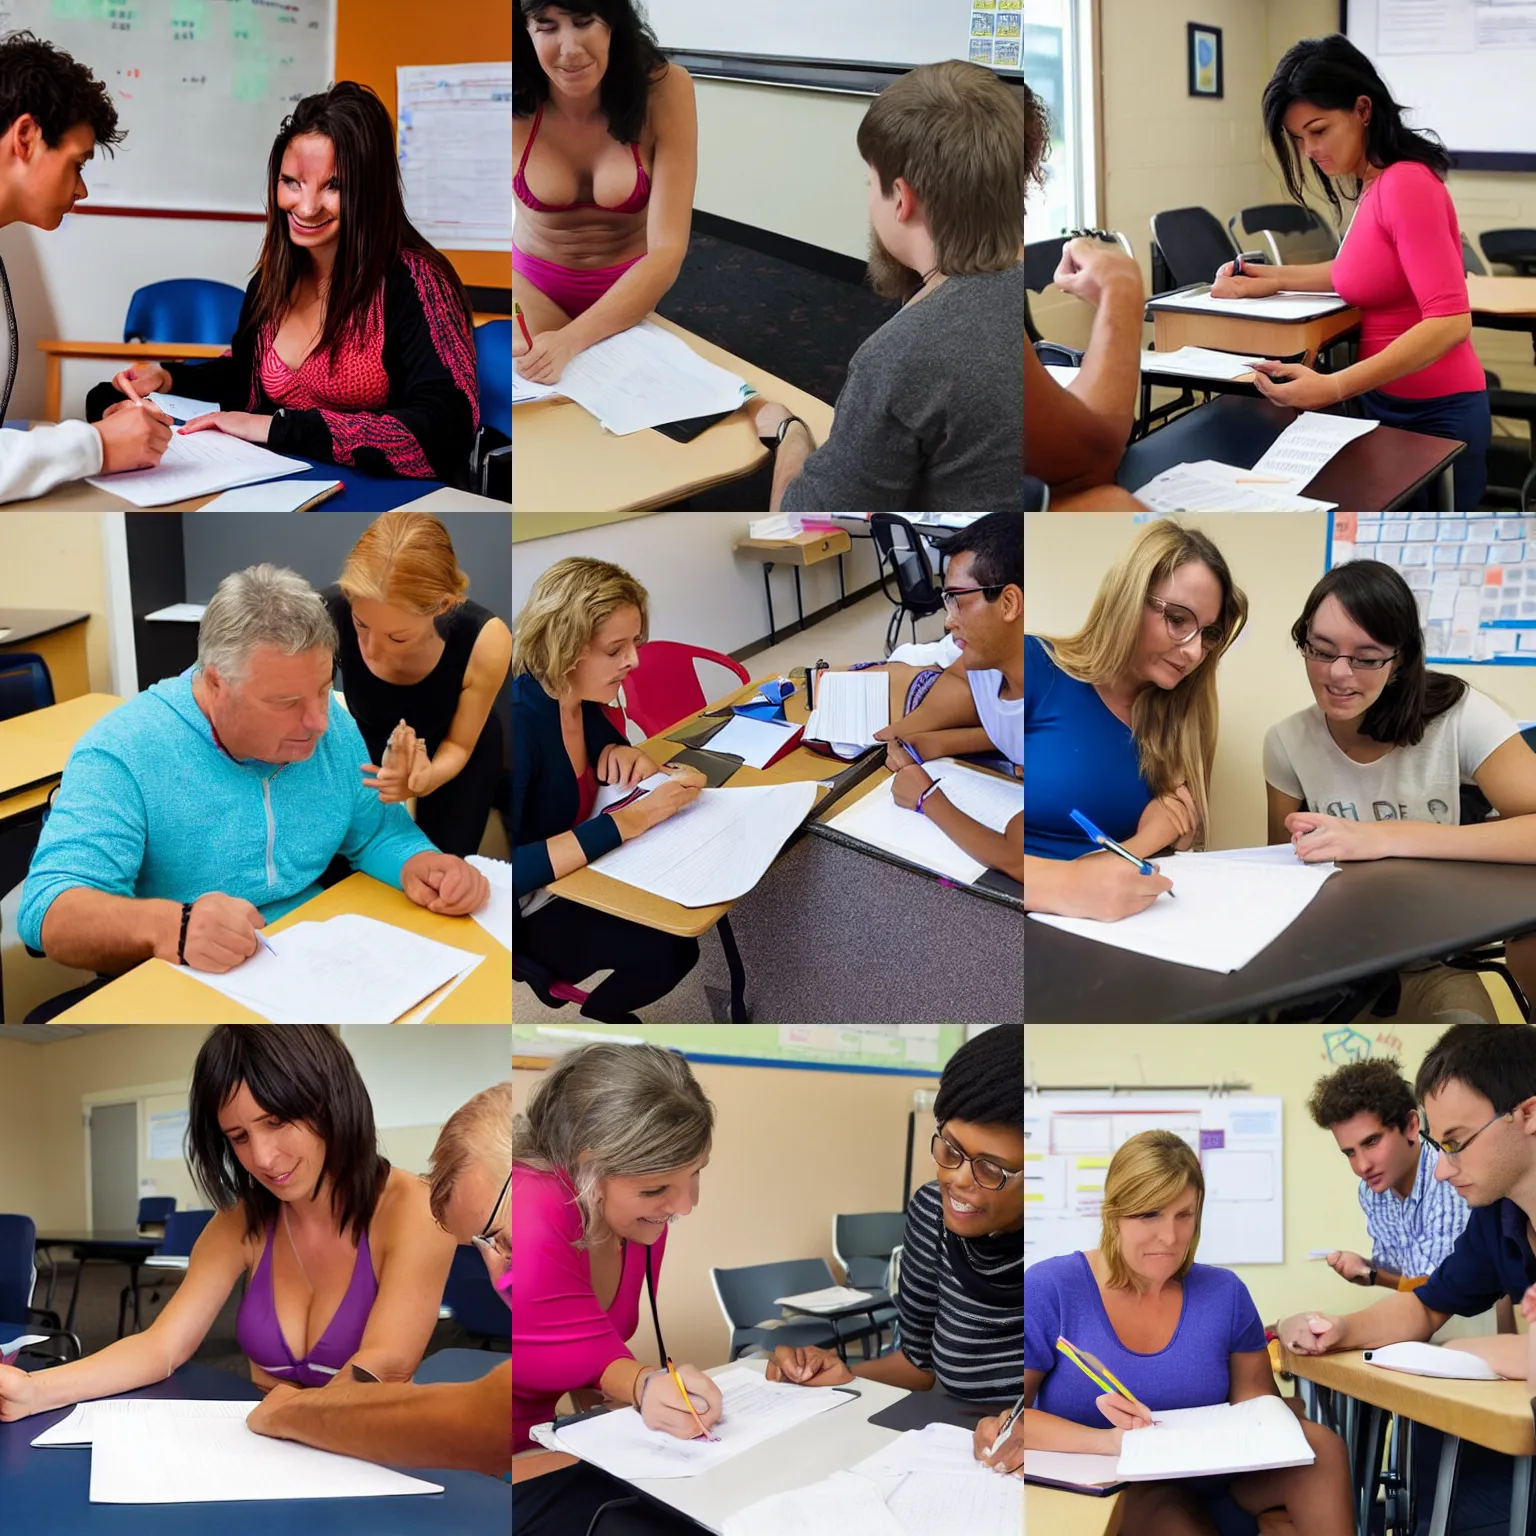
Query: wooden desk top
592, 888
1056, 1512
34, 747
1175, 328
157, 993
55, 346
1495, 1414
564, 461
804, 549
1502, 295
33, 623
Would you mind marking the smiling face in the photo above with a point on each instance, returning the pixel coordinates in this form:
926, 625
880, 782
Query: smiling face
611, 655
572, 49
1341, 692
1161, 660
286, 1157
278, 712
1153, 1243
309, 195
970, 1209
1381, 1155
638, 1207
391, 639
1333, 139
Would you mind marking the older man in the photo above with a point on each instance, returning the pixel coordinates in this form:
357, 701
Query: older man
453, 1424
211, 803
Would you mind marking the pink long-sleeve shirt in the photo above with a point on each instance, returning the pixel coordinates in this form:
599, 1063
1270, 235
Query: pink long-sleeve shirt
561, 1338
1401, 263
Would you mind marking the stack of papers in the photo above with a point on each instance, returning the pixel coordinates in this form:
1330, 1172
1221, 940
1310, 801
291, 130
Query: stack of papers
841, 1505
198, 465
831, 1298
1199, 363
1286, 305
1253, 1436
850, 708
346, 970
1308, 444
1431, 1360
755, 742
643, 377
283, 496
1071, 1469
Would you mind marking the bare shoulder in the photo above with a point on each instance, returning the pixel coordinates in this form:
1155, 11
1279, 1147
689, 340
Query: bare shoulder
403, 1209
672, 99
491, 655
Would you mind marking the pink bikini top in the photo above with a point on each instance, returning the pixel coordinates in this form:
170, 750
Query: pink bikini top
633, 204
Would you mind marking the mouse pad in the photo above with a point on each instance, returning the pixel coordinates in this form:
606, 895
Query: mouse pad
919, 1408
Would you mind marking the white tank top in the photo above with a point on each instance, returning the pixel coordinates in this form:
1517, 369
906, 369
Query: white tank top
1001, 719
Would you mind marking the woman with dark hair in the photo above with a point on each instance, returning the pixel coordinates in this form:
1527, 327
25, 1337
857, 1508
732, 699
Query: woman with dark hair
1400, 262
1374, 768
606, 140
281, 1136
354, 344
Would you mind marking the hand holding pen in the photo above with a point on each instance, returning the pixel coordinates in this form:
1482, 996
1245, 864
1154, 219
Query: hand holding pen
998, 1443
686, 1404
1109, 845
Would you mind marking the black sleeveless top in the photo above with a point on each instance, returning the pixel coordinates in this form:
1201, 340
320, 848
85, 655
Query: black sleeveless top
428, 706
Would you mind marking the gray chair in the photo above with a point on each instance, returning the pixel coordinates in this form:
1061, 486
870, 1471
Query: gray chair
1189, 245
1511, 248
863, 1245
746, 1297
1289, 234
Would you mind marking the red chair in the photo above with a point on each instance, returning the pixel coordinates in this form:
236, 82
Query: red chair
665, 688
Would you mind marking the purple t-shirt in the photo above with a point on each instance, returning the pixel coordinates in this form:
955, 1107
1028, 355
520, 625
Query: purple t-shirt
1061, 1299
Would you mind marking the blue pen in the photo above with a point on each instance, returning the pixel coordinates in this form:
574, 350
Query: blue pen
910, 750
263, 940
1111, 846
1237, 267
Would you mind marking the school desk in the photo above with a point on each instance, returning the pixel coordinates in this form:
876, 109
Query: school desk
1173, 328
1378, 471
563, 460
34, 747
124, 354
58, 636
1055, 1512
47, 1490
126, 1247
157, 993
1493, 1414
1368, 921
1503, 303
808, 548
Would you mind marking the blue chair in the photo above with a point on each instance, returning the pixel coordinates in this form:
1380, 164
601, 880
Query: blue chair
154, 1210
194, 309
493, 365
182, 1230
746, 1297
18, 1279
25, 683
472, 1299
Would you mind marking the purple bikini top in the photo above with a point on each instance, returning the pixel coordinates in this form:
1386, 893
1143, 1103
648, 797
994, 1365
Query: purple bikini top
260, 1334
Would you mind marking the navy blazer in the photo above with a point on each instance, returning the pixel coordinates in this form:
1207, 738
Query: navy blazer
545, 793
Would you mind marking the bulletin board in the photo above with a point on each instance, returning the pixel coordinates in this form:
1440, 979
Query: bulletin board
1069, 1139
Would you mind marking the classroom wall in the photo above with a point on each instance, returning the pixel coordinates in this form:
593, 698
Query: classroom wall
49, 560
792, 1149
1275, 558
1322, 1209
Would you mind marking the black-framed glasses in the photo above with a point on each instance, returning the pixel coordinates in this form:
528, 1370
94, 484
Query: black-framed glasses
1183, 626
483, 1239
987, 1172
952, 595
1454, 1149
1356, 663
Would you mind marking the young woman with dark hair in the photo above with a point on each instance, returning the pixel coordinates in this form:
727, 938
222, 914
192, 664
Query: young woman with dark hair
343, 1259
605, 138
1374, 767
1400, 262
355, 341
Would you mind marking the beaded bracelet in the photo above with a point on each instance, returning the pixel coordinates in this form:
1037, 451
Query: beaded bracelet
181, 945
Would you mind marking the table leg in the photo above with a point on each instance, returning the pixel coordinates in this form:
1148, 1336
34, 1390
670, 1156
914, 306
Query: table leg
53, 390
739, 1014
842, 590
74, 1295
1445, 490
799, 606
1520, 1496
773, 639
1445, 1486
1368, 1469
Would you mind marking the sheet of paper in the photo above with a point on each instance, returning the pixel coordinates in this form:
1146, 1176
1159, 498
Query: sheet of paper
1220, 914
454, 143
1064, 375
753, 741
1209, 486
1082, 1468
174, 1458
1309, 443
1251, 1436
984, 1505
830, 1298
753, 1410
1283, 854
612, 794
79, 1426
524, 390
716, 848
877, 819
284, 496
183, 407
198, 464
840, 1505
348, 970
9, 1350
850, 707
1198, 363
1282, 306
496, 918
1432, 1360
180, 613
944, 1448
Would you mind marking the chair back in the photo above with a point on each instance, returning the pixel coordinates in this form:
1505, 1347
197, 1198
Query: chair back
188, 309
664, 688
869, 1235
154, 1210
493, 368
1041, 258
1511, 248
18, 1267
182, 1230
473, 1299
1287, 233
1193, 244
902, 555
746, 1295
25, 683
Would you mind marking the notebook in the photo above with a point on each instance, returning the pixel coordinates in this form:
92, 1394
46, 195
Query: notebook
1075, 1470
1258, 1435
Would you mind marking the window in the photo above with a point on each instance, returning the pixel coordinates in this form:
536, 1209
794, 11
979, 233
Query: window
1057, 48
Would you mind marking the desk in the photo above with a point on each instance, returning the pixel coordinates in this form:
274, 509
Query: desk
47, 1491
1494, 1414
58, 636
34, 747
157, 993
806, 548
55, 351
1303, 339
1377, 472
563, 461
125, 1247
1504, 303
1055, 1512
1368, 920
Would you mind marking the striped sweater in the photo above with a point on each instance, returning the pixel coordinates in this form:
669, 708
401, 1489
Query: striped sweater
976, 1350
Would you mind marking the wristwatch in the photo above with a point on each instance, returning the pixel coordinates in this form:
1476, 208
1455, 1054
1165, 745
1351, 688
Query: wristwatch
774, 439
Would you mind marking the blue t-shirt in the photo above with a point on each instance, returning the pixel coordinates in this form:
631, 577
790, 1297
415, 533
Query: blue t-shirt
1079, 757
1193, 1370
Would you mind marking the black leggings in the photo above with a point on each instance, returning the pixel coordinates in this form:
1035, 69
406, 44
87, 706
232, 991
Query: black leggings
571, 941
566, 1503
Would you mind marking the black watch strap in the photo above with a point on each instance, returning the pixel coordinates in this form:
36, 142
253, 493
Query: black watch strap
776, 438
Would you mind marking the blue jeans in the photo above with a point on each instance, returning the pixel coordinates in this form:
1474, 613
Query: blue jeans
1465, 417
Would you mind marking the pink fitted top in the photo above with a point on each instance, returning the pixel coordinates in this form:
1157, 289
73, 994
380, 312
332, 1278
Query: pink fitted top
561, 1338
1401, 263
632, 204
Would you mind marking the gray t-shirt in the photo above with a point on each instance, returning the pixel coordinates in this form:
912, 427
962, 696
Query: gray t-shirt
931, 417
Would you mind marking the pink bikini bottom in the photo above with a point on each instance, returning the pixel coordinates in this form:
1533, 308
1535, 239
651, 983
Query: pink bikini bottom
575, 292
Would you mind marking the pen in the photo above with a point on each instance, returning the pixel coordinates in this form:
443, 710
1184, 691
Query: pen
688, 1401
1111, 846
1113, 1384
1002, 1433
1237, 267
263, 940
910, 750
517, 309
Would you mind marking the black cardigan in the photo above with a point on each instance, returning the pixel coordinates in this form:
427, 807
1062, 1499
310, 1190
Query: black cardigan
432, 409
545, 792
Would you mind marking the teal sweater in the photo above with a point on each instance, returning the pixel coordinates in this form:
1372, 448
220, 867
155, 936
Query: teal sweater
150, 806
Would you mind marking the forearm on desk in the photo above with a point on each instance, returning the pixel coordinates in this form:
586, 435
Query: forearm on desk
789, 460
1507, 1353
1389, 1321
1313, 277
997, 850
139, 1360
95, 931
895, 1370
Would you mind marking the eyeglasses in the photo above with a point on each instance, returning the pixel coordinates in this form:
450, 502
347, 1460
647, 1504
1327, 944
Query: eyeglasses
1356, 663
987, 1173
1183, 626
952, 595
1454, 1149
483, 1240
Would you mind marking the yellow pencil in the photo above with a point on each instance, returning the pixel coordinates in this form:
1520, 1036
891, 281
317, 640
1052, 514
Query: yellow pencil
1085, 1363
687, 1401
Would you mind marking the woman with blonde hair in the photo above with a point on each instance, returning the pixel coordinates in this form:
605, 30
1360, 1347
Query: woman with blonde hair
421, 665
1179, 1335
576, 639
1120, 724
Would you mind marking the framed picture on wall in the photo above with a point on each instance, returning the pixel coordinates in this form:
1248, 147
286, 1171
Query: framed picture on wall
1205, 76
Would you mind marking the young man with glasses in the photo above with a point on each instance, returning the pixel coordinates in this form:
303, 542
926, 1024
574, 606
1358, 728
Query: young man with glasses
977, 705
451, 1424
1477, 1087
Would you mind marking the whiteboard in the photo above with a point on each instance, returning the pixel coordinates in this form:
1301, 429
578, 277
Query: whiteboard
1071, 1137
1463, 67
908, 32
200, 85
420, 1076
